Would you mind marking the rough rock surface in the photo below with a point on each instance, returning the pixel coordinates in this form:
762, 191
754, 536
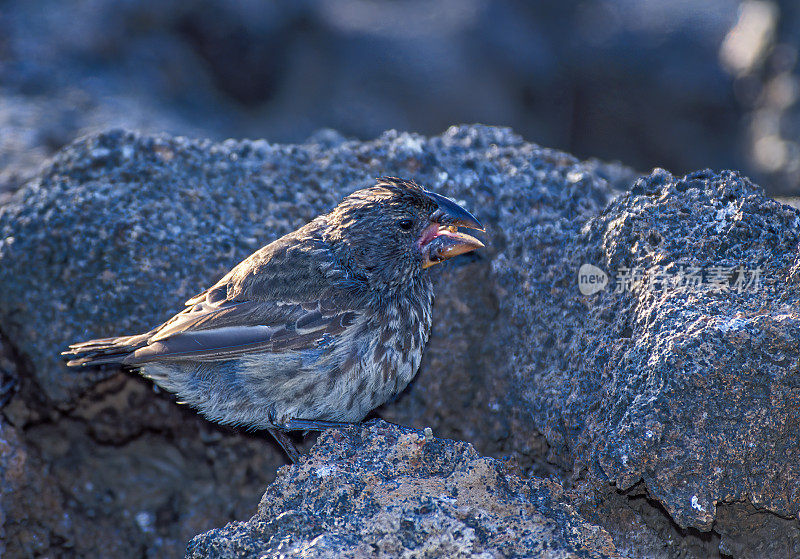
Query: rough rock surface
119, 229
688, 391
388, 491
669, 413
34, 127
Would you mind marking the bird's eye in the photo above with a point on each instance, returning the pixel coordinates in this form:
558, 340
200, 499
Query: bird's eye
405, 224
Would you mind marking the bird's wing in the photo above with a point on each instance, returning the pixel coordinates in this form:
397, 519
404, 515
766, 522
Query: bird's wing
275, 304
247, 327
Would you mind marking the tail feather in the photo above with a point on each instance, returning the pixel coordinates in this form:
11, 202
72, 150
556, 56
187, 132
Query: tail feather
103, 351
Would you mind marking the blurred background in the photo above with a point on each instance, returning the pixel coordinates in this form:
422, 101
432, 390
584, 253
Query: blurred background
680, 84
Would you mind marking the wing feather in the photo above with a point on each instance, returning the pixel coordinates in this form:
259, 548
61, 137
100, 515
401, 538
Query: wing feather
279, 299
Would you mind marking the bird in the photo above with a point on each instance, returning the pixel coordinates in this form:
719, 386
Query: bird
313, 330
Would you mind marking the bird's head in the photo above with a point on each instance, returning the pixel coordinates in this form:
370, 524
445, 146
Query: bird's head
395, 229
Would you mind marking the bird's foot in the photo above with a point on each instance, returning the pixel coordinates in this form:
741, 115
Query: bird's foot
304, 425
286, 444
314, 425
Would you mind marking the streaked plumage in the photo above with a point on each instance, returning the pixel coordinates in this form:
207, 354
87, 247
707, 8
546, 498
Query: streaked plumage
323, 324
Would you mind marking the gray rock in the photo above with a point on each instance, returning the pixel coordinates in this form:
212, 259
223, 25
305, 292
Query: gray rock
387, 491
689, 392
119, 229
28, 528
669, 413
34, 127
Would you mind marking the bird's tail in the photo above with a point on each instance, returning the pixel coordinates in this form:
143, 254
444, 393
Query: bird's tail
103, 351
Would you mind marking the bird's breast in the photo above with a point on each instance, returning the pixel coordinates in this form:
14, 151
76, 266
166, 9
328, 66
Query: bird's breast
401, 332
368, 365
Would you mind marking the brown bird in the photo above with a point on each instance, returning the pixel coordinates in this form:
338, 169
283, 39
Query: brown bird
313, 330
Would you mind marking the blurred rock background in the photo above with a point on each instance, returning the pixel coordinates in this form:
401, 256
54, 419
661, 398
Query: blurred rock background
683, 85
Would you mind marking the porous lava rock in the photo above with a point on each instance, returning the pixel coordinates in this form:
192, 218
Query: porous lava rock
386, 491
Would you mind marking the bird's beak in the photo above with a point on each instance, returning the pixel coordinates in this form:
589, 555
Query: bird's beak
441, 239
